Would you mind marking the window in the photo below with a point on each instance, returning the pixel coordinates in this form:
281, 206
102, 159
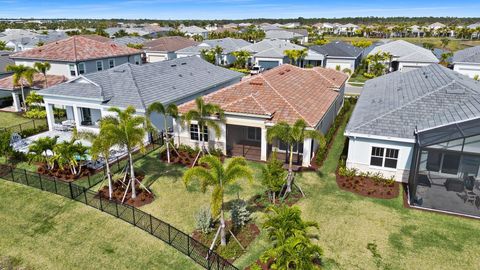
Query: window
99, 65
297, 148
384, 157
136, 58
254, 134
194, 133
81, 68
72, 70
111, 63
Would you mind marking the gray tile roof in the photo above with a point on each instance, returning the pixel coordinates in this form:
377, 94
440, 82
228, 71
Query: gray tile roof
193, 29
282, 34
5, 61
228, 44
468, 55
395, 104
129, 40
338, 49
406, 51
129, 84
271, 47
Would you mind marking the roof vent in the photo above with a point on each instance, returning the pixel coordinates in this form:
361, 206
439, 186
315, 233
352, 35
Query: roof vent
183, 64
256, 83
173, 65
281, 73
287, 70
180, 75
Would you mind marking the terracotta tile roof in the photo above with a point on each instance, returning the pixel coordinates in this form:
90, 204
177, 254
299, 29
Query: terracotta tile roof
76, 48
38, 82
286, 93
169, 44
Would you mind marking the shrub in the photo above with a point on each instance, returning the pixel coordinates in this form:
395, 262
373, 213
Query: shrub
36, 113
32, 131
338, 68
368, 75
203, 219
240, 214
476, 77
347, 70
241, 70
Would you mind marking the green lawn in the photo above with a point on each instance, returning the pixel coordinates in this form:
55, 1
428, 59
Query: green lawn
8, 119
44, 231
358, 79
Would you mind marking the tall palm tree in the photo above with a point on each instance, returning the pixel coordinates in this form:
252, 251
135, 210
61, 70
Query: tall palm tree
203, 114
40, 148
218, 176
218, 54
171, 110
21, 72
42, 68
293, 135
129, 132
241, 58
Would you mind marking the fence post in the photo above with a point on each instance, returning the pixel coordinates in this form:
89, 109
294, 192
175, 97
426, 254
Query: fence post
13, 175
21, 128
26, 177
188, 245
71, 190
55, 184
88, 177
133, 213
34, 124
116, 208
151, 224
169, 237
101, 205
85, 195
40, 180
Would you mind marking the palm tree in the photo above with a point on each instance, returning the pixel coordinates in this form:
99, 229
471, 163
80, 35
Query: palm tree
21, 72
293, 135
38, 150
218, 54
203, 114
273, 176
127, 127
445, 42
241, 58
218, 176
67, 154
295, 55
102, 143
42, 68
3, 46
170, 110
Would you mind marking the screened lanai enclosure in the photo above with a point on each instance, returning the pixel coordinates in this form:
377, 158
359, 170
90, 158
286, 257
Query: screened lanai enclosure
445, 169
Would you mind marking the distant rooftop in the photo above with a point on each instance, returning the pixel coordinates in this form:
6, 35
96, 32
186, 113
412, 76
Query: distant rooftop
468, 55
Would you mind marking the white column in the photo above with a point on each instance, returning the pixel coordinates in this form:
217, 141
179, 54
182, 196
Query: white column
263, 152
307, 153
16, 102
76, 115
50, 116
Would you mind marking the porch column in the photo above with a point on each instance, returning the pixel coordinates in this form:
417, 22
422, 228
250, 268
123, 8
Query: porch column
50, 116
307, 153
76, 116
16, 102
263, 149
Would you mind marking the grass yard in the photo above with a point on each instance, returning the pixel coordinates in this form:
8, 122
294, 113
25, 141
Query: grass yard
8, 119
44, 231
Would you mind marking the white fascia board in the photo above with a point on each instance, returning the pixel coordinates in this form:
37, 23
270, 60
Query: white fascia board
377, 137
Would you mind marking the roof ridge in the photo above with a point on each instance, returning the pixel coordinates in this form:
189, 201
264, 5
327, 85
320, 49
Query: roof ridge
259, 104
75, 49
404, 105
316, 70
129, 65
244, 98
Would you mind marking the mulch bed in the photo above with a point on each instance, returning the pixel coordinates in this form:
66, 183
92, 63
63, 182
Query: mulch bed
261, 201
368, 187
64, 175
185, 159
143, 197
232, 251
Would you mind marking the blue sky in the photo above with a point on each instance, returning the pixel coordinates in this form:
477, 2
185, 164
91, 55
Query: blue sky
233, 9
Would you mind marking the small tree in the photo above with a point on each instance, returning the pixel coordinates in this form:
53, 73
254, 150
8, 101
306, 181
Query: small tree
39, 151
171, 110
218, 54
241, 58
20, 73
43, 68
5, 147
273, 176
203, 219
208, 55
239, 213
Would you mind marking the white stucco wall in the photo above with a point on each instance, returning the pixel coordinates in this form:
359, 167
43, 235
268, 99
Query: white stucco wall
159, 56
359, 154
407, 66
467, 69
343, 63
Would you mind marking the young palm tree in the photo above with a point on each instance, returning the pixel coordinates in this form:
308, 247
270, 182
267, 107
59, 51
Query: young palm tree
273, 176
203, 114
241, 58
38, 150
171, 110
293, 135
218, 54
21, 72
129, 132
42, 68
218, 176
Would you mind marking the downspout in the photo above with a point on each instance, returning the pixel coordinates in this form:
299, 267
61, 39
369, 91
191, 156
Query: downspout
412, 179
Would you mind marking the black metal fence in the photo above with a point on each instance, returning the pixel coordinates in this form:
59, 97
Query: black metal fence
156, 227
33, 126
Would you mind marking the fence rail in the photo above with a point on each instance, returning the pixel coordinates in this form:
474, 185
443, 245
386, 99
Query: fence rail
40, 124
152, 225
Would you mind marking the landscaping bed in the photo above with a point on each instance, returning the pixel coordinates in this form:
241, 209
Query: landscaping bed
369, 187
63, 174
186, 156
261, 201
232, 251
143, 196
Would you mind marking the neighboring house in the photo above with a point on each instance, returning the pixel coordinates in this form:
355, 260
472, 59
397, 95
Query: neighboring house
300, 35
467, 61
436, 27
79, 55
324, 27
194, 30
7, 88
416, 31
17, 39
476, 29
286, 93
164, 48
270, 53
5, 60
229, 45
347, 29
405, 55
130, 40
129, 30
291, 25
87, 98
339, 54
422, 128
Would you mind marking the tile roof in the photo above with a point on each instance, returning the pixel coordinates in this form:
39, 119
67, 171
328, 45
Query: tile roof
271, 47
38, 82
141, 85
394, 105
193, 29
282, 34
468, 55
5, 61
338, 49
168, 44
228, 44
129, 40
286, 93
76, 48
406, 51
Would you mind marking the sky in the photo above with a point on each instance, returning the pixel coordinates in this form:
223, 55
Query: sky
234, 9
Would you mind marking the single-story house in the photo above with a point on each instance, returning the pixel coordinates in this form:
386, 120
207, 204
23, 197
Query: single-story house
79, 55
285, 93
164, 48
229, 45
421, 127
339, 54
194, 31
405, 55
290, 35
130, 40
467, 61
270, 53
5, 61
87, 98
